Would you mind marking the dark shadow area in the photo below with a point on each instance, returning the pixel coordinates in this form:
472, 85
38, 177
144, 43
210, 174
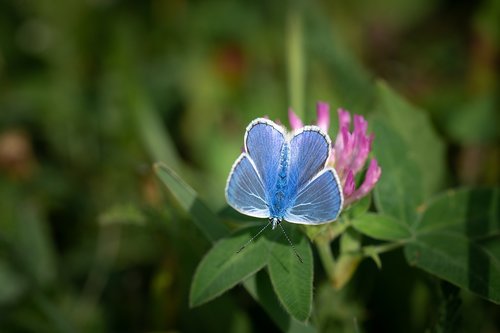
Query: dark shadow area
479, 203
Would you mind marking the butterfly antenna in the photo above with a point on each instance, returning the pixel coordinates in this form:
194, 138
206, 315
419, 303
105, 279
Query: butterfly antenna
251, 239
289, 241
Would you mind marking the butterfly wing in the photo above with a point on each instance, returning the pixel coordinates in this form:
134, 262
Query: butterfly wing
309, 152
245, 189
264, 141
319, 201
314, 192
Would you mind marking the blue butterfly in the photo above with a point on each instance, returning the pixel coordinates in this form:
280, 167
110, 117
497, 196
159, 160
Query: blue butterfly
283, 176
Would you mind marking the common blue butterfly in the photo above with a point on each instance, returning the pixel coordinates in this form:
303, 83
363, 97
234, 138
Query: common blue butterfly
283, 176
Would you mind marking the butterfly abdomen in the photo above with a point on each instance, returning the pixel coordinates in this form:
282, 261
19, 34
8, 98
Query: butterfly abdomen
280, 196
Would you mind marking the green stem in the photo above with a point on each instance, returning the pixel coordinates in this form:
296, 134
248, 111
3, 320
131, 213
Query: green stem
295, 57
377, 249
326, 257
338, 229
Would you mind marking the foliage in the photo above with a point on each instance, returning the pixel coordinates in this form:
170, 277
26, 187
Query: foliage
93, 93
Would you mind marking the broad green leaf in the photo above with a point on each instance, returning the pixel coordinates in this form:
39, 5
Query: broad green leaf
208, 281
455, 240
399, 191
292, 280
360, 207
472, 212
203, 217
423, 145
260, 287
455, 258
156, 139
382, 227
352, 82
222, 267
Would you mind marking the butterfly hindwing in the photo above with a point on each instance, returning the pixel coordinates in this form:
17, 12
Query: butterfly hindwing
245, 189
319, 201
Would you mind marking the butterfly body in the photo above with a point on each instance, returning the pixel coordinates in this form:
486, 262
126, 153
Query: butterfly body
283, 176
280, 196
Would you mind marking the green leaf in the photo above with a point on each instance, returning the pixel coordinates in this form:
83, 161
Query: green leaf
455, 240
424, 147
260, 287
352, 83
292, 280
382, 227
399, 190
471, 212
360, 207
376, 259
217, 276
222, 267
455, 258
202, 216
156, 139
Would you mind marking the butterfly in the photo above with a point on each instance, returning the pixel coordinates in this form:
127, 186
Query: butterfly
284, 176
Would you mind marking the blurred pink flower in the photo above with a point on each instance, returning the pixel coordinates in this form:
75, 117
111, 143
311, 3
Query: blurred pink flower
295, 122
350, 150
323, 111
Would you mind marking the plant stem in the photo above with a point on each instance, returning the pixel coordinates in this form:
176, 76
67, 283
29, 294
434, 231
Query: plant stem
295, 57
377, 249
326, 256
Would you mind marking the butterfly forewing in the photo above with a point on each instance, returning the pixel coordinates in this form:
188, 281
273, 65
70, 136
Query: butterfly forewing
264, 142
315, 194
309, 152
245, 190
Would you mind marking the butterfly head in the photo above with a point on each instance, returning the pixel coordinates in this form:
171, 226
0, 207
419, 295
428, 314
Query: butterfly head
275, 221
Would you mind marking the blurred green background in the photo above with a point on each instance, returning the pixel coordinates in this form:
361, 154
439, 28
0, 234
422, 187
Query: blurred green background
93, 92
